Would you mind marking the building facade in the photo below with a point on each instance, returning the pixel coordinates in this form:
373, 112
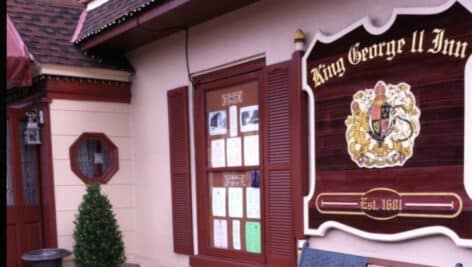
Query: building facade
250, 42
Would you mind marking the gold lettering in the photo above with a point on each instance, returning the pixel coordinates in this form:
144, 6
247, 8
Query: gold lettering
460, 49
390, 50
420, 44
354, 56
317, 77
365, 54
328, 72
400, 44
437, 41
340, 67
322, 73
381, 45
373, 51
357, 55
448, 47
413, 43
368, 205
392, 204
363, 203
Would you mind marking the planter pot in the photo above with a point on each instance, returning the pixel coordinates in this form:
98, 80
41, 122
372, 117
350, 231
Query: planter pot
48, 257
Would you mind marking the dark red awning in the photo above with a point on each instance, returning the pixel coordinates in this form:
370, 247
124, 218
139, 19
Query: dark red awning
18, 59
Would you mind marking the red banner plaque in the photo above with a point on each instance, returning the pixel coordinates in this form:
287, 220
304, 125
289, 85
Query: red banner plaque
390, 119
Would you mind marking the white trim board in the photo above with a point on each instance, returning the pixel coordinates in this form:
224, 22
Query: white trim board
81, 72
193, 171
468, 128
372, 29
95, 3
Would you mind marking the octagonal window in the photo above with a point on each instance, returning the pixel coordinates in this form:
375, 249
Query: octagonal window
94, 158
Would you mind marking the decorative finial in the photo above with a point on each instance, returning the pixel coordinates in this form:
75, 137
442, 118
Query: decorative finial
299, 36
299, 40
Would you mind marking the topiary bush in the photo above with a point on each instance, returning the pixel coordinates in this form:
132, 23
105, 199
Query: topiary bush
98, 240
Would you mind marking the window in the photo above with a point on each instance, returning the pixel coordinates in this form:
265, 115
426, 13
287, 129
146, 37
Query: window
229, 164
94, 158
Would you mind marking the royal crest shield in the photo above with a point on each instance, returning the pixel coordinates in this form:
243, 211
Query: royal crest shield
383, 125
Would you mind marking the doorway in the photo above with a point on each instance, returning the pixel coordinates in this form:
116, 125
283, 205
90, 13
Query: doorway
23, 194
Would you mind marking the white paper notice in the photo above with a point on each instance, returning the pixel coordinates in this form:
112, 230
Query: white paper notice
233, 121
253, 205
233, 150
220, 233
218, 201
235, 202
251, 150
236, 234
218, 158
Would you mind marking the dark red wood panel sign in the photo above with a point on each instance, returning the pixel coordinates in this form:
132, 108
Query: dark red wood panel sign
390, 127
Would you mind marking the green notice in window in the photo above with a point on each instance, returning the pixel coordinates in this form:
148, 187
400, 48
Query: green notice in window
253, 237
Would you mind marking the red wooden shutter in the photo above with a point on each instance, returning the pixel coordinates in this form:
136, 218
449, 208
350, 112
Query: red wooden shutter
177, 104
281, 243
299, 143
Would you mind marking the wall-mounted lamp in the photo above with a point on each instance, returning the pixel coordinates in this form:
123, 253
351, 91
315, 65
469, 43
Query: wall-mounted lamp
31, 133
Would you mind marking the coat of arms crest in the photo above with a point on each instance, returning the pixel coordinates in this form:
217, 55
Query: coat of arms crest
383, 125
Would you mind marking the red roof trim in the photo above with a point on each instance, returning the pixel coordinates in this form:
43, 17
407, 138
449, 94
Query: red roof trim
99, 29
132, 23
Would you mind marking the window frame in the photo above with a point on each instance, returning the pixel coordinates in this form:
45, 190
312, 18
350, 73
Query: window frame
114, 159
239, 74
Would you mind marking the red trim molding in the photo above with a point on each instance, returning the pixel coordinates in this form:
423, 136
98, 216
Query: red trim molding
47, 181
58, 87
207, 261
248, 67
298, 135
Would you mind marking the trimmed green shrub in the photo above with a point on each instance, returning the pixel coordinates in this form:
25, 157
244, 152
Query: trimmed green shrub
98, 240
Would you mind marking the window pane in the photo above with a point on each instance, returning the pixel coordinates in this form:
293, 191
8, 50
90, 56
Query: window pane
10, 193
93, 158
232, 118
85, 158
29, 168
106, 158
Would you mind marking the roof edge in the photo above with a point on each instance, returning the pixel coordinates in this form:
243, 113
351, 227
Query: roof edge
132, 18
80, 24
124, 17
92, 4
83, 72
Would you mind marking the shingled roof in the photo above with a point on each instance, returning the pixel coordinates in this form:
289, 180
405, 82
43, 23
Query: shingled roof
111, 13
47, 27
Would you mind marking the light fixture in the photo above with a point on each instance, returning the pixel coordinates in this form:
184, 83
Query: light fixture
31, 133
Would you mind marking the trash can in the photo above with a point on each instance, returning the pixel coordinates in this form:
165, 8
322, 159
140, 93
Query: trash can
47, 257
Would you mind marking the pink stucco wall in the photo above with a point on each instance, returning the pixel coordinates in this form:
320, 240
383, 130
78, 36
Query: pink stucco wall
69, 119
264, 28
